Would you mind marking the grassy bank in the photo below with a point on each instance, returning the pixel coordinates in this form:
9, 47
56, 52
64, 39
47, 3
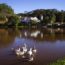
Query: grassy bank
59, 62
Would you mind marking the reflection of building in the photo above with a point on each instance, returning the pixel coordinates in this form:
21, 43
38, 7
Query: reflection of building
35, 34
8, 36
44, 35
25, 33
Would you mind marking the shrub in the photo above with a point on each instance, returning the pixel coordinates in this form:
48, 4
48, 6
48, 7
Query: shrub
13, 20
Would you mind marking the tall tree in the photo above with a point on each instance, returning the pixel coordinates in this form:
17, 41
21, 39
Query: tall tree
6, 10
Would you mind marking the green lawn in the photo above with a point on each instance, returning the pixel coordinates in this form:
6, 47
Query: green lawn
59, 62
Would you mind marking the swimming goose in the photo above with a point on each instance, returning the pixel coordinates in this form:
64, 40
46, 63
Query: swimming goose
24, 48
17, 51
34, 50
21, 52
30, 52
31, 59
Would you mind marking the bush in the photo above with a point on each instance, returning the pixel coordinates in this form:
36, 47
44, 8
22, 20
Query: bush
3, 19
13, 20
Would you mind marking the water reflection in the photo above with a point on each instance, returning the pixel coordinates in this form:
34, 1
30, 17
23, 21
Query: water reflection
44, 34
35, 33
6, 37
50, 44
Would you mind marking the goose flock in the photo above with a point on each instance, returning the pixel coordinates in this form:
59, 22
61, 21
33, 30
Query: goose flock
24, 52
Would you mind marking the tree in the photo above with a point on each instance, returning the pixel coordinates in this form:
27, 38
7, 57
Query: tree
3, 19
5, 9
53, 19
13, 20
5, 12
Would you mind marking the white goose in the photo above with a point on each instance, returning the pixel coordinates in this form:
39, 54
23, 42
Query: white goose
34, 50
30, 52
17, 51
24, 48
21, 52
31, 59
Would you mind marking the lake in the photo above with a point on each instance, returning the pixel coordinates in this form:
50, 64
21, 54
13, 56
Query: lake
50, 45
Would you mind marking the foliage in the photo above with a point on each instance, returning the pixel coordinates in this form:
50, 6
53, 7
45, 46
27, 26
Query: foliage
5, 12
2, 17
13, 20
59, 62
49, 15
5, 9
53, 18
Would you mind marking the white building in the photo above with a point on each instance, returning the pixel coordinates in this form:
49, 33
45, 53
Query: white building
26, 19
35, 19
41, 17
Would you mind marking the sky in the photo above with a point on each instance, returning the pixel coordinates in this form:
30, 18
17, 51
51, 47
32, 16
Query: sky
21, 6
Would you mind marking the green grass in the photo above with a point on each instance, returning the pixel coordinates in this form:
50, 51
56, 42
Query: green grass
59, 62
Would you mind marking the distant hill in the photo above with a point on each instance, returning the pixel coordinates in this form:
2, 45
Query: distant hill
50, 15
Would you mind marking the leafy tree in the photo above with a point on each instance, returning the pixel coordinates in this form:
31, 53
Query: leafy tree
13, 20
5, 12
5, 9
49, 15
3, 19
53, 19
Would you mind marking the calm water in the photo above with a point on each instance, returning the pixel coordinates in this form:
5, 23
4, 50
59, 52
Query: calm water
50, 45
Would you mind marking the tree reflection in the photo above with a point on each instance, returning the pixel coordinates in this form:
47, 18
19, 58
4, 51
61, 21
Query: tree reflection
7, 36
